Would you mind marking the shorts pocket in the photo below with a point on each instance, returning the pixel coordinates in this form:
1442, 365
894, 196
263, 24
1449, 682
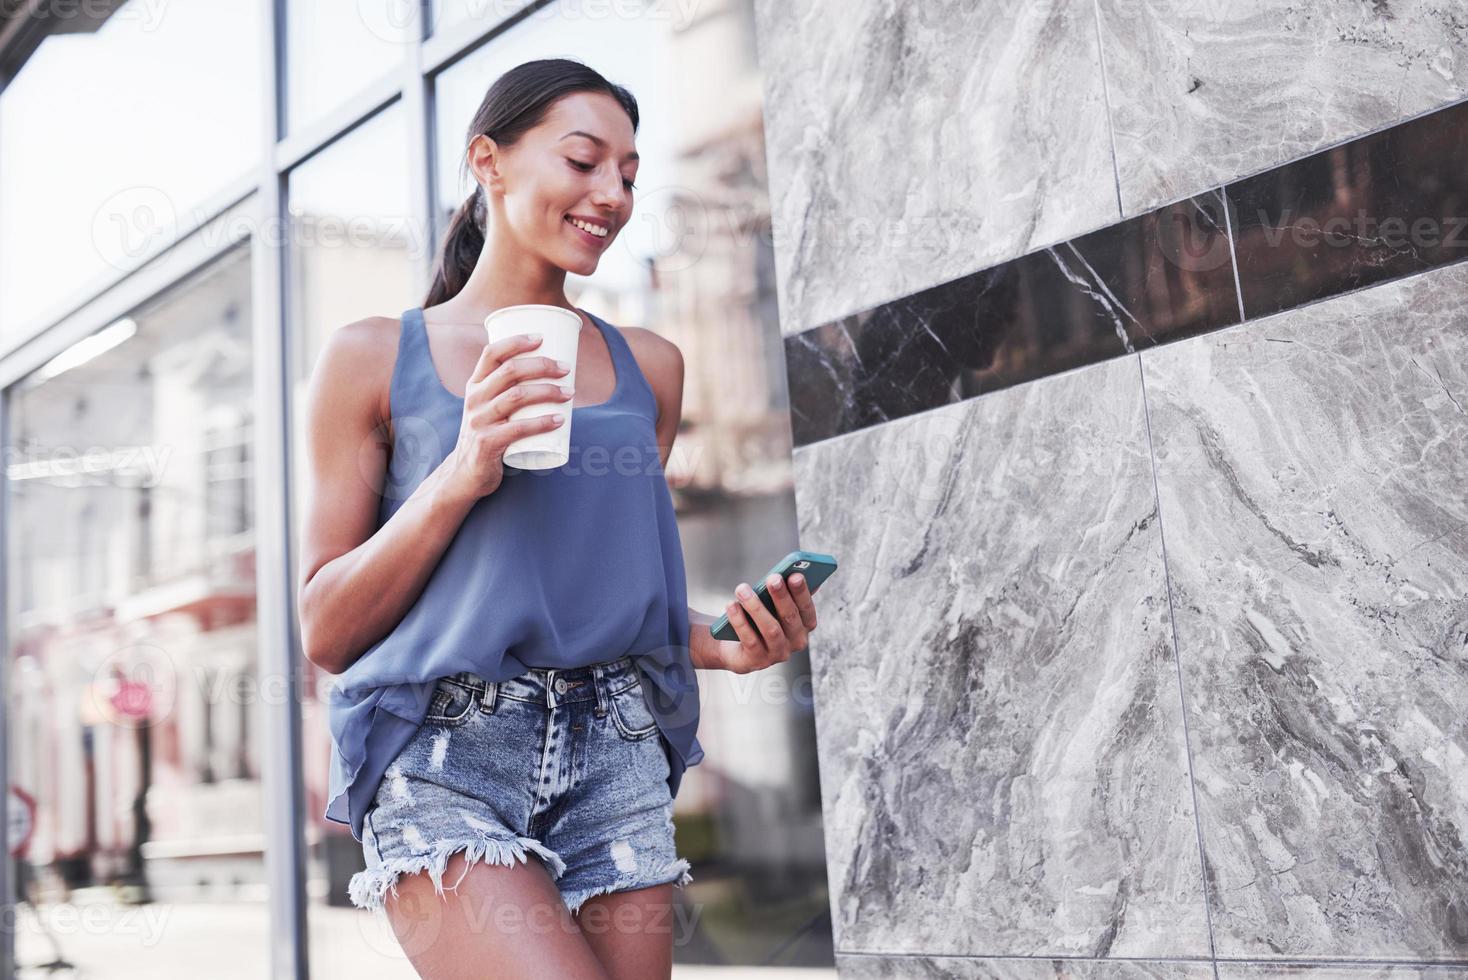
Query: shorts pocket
453, 703
631, 715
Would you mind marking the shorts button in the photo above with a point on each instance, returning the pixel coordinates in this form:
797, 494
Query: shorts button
560, 685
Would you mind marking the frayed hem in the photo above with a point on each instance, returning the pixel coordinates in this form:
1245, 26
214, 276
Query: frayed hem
682, 877
369, 889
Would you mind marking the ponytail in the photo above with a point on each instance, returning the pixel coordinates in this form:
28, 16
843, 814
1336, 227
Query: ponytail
462, 244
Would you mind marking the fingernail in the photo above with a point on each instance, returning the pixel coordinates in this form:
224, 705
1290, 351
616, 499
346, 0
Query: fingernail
796, 579
774, 581
745, 591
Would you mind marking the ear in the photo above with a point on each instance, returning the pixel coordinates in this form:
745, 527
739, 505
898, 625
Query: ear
485, 161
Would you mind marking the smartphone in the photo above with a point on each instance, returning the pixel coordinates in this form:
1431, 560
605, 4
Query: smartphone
812, 565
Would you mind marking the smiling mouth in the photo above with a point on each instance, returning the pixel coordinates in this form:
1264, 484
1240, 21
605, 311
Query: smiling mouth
586, 235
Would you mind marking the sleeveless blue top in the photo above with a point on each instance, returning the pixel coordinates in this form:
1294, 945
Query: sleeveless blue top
561, 567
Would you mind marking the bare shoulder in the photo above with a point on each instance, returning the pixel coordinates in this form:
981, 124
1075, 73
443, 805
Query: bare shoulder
661, 362
362, 354
655, 353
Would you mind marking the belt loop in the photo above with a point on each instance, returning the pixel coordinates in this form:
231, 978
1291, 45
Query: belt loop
491, 692
550, 688
599, 679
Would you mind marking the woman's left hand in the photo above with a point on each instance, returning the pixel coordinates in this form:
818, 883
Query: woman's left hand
766, 639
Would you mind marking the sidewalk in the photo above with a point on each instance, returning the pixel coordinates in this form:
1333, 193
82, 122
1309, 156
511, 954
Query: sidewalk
159, 941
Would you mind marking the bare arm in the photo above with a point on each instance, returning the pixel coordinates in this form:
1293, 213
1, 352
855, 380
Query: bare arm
358, 580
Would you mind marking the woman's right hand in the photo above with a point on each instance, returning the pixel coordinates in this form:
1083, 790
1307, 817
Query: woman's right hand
495, 390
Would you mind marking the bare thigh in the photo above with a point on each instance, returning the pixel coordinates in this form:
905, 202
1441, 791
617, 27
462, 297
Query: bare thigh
631, 932
501, 921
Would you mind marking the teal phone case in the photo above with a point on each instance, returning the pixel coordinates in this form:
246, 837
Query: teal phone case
815, 566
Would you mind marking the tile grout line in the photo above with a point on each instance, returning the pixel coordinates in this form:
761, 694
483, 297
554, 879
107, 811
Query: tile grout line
1106, 101
1310, 961
1178, 663
1149, 209
1233, 255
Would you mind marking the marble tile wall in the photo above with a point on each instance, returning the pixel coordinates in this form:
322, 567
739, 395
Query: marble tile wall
1379, 207
1002, 750
1202, 92
1165, 657
1148, 652
1312, 472
860, 967
910, 143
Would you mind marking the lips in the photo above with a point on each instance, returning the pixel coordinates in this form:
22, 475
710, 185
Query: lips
586, 235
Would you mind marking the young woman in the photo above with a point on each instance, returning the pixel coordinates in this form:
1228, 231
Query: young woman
513, 651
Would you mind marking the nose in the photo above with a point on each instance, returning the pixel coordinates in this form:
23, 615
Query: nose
608, 195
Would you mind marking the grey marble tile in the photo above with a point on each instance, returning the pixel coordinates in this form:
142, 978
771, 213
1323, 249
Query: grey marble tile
1002, 755
1339, 971
871, 967
912, 143
1313, 475
1203, 91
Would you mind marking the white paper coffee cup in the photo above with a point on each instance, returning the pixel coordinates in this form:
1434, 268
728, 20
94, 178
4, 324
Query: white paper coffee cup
560, 330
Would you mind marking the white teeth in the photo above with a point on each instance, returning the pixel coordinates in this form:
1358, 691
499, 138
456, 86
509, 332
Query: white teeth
598, 232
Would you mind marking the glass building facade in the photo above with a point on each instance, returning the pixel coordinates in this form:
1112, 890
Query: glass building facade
193, 195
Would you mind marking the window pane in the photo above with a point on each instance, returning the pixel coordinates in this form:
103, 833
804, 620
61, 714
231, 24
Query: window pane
695, 264
352, 243
105, 151
132, 717
450, 14
352, 254
334, 50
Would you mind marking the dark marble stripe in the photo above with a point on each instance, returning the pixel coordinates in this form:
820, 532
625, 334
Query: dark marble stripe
1153, 279
1377, 208
1158, 277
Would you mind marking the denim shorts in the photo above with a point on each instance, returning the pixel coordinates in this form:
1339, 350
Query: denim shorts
564, 764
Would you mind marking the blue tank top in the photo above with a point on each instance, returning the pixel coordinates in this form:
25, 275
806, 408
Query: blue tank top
562, 567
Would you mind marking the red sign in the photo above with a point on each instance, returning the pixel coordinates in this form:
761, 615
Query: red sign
132, 699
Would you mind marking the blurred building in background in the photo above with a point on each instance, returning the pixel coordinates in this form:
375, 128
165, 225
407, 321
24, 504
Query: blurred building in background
192, 197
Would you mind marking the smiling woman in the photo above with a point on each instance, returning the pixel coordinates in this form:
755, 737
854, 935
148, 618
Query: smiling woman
574, 701
583, 119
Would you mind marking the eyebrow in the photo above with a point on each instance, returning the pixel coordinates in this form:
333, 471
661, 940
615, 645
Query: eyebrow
599, 142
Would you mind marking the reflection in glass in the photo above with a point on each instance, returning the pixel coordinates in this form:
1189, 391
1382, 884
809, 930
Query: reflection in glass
106, 153
453, 14
334, 50
133, 720
695, 265
352, 250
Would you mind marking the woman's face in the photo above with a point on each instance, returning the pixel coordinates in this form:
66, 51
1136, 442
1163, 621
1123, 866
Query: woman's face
579, 162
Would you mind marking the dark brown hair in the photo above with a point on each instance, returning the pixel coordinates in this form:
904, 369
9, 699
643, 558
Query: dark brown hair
517, 102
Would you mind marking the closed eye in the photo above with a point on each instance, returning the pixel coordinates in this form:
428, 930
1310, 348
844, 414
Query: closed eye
588, 167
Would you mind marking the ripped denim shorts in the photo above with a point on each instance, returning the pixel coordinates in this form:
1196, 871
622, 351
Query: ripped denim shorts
565, 764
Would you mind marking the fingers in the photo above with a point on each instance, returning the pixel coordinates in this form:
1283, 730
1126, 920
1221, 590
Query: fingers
504, 353
792, 621
765, 630
800, 593
498, 352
